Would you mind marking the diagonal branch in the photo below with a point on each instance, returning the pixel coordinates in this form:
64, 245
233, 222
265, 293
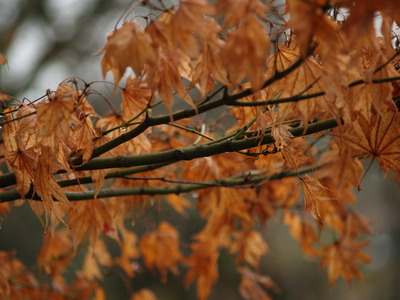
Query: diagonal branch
207, 106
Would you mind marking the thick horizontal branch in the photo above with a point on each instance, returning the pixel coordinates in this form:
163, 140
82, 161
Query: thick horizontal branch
242, 181
198, 151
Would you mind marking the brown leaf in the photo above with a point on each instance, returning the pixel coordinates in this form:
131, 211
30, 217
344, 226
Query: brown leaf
235, 11
16, 282
135, 98
179, 203
291, 148
88, 218
341, 257
378, 136
247, 46
250, 247
96, 256
251, 285
203, 264
128, 46
314, 193
54, 112
129, 252
3, 59
160, 249
55, 256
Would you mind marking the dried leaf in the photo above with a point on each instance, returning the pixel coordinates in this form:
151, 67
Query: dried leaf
314, 193
251, 285
129, 252
378, 136
160, 249
203, 263
128, 46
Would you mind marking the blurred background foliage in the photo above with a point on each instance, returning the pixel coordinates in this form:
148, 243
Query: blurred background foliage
47, 41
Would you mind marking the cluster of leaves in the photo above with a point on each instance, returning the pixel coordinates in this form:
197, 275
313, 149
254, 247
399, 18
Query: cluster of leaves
311, 99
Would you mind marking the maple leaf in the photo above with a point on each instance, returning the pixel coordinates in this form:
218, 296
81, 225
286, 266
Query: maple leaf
82, 138
342, 169
209, 66
378, 136
203, 263
88, 217
24, 163
54, 112
128, 46
96, 256
15, 281
160, 249
251, 285
250, 247
248, 45
129, 252
47, 187
167, 76
314, 193
292, 149
179, 203
55, 256
302, 231
135, 98
234, 11
341, 257
189, 22
3, 59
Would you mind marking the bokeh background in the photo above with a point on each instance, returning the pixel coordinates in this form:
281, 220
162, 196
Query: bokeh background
47, 41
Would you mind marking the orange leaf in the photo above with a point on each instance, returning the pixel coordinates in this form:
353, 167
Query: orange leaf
128, 46
234, 11
15, 280
55, 255
160, 249
88, 217
178, 202
54, 112
203, 263
129, 252
135, 98
251, 285
247, 46
341, 257
314, 192
97, 255
378, 136
291, 148
250, 247
3, 59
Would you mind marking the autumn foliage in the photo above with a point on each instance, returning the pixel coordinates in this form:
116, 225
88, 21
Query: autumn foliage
305, 95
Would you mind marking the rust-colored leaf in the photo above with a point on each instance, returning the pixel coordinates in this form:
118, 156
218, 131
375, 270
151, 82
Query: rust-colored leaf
378, 137
160, 249
128, 46
251, 285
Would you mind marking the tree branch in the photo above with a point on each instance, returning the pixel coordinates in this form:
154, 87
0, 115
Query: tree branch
243, 181
198, 151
